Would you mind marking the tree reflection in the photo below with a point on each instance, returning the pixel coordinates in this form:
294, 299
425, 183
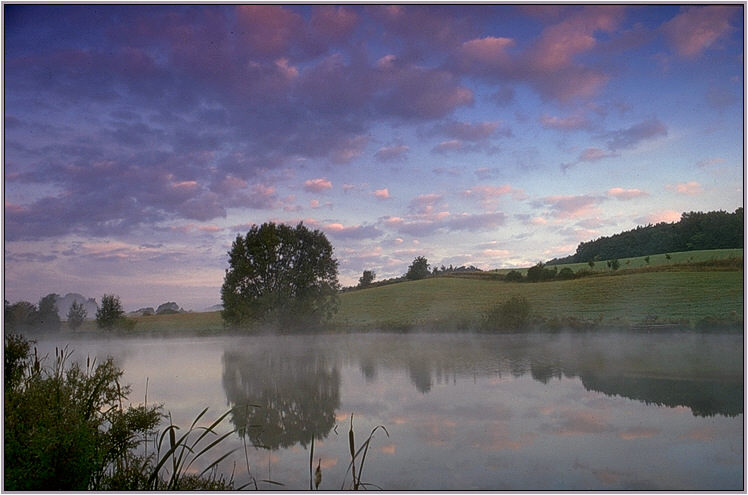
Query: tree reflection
279, 398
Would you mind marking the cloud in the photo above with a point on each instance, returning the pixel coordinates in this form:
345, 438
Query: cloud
691, 188
339, 231
382, 193
667, 216
631, 136
570, 123
571, 206
697, 28
549, 64
430, 223
317, 185
626, 194
392, 153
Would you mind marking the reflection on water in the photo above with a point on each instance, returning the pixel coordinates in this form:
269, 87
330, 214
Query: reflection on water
476, 412
280, 397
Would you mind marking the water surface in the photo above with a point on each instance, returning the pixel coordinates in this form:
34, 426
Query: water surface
463, 412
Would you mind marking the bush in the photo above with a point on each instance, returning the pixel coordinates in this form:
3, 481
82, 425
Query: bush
513, 276
511, 315
565, 274
65, 427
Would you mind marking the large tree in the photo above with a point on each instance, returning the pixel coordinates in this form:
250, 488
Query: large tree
282, 275
418, 269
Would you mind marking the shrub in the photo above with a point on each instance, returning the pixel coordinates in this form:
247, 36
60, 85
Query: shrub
566, 274
65, 427
513, 276
511, 315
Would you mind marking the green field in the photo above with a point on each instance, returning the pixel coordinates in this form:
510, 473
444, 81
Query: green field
655, 260
684, 289
626, 299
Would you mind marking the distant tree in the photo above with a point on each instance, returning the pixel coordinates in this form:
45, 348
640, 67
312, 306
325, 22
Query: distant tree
535, 273
419, 269
76, 315
646, 259
48, 318
110, 313
667, 255
513, 276
566, 273
591, 263
614, 264
280, 275
20, 316
366, 278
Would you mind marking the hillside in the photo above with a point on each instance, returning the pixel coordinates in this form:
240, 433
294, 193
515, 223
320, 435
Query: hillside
694, 231
684, 297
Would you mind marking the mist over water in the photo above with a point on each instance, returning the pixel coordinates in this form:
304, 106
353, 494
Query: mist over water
510, 412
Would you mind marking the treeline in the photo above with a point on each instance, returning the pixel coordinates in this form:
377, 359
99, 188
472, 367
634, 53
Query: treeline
694, 231
24, 316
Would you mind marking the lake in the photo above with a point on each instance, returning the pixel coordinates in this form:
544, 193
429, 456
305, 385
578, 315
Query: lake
463, 411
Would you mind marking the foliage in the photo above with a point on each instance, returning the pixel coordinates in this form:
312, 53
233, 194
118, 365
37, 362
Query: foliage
66, 429
539, 273
65, 426
281, 275
513, 276
76, 315
566, 273
419, 269
362, 451
694, 231
366, 278
20, 316
23, 316
47, 317
110, 314
513, 314
614, 264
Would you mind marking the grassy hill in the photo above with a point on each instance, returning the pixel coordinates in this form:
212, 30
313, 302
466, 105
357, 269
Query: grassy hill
623, 300
689, 288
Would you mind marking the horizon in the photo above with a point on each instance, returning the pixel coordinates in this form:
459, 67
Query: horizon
141, 139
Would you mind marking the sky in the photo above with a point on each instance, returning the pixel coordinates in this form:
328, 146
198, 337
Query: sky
139, 139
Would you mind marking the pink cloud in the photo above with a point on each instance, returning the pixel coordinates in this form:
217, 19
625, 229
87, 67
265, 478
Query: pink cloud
340, 231
268, 29
425, 204
317, 185
593, 155
550, 64
697, 28
382, 193
689, 188
473, 132
571, 206
447, 146
572, 122
667, 216
626, 194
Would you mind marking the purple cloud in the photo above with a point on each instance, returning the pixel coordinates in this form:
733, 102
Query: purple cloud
632, 136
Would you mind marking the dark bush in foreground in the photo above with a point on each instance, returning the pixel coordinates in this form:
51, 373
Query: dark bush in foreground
512, 315
65, 428
565, 274
513, 276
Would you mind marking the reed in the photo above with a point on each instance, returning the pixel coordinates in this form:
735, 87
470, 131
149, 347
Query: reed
362, 450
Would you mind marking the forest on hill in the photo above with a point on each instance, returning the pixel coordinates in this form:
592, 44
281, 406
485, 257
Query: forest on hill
694, 231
